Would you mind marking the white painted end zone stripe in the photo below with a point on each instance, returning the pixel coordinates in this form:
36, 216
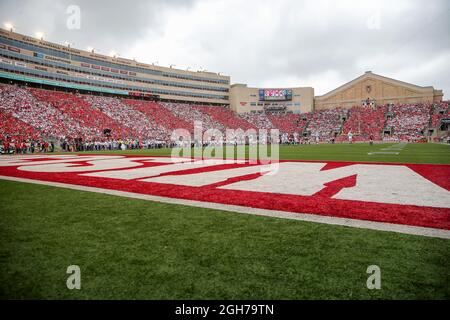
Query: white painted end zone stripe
363, 224
383, 152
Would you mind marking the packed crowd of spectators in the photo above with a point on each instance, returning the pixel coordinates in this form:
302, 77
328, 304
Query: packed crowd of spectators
257, 120
157, 114
364, 122
91, 121
409, 122
15, 129
32, 119
137, 123
226, 117
190, 114
42, 116
441, 111
326, 124
289, 124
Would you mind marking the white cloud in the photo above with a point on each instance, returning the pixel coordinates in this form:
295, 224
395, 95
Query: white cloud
319, 43
293, 43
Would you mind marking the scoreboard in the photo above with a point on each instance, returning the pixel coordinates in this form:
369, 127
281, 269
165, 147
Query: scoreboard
275, 94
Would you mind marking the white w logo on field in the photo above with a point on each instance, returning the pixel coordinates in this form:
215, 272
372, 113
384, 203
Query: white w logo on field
412, 199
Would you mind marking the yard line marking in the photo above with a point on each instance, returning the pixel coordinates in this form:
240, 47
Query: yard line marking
383, 152
391, 150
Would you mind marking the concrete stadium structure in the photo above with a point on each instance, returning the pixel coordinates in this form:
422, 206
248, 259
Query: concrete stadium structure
375, 88
41, 62
44, 64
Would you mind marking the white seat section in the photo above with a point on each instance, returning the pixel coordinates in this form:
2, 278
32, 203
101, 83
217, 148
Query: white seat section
95, 164
147, 172
207, 178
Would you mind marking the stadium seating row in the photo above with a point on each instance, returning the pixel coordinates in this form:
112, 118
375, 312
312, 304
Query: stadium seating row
32, 114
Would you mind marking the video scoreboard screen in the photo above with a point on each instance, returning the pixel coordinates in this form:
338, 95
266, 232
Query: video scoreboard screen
275, 94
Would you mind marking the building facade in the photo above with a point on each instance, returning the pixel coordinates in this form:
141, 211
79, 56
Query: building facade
35, 61
376, 89
293, 100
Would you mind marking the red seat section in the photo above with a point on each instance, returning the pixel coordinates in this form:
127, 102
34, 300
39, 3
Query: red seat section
29, 113
363, 122
91, 122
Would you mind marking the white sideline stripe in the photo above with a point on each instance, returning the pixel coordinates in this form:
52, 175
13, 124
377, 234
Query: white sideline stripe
383, 152
362, 224
395, 147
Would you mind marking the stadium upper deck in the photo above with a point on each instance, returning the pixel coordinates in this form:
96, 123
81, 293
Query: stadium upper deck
23, 58
34, 61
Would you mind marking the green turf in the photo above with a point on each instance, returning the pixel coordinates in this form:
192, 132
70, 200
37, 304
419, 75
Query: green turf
135, 249
411, 153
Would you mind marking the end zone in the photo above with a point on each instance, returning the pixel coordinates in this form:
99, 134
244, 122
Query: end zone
415, 200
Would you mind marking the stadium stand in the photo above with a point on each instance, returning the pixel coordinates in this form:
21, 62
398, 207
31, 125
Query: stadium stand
128, 117
158, 114
92, 122
15, 129
100, 122
364, 122
259, 121
324, 124
42, 116
441, 111
190, 113
409, 122
225, 117
288, 123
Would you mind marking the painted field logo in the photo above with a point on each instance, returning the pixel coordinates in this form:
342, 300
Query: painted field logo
412, 199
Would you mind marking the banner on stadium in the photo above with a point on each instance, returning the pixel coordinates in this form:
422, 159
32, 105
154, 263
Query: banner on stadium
56, 59
21, 64
96, 78
14, 49
5, 61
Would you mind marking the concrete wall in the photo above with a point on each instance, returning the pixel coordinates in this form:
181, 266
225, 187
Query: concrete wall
244, 100
375, 87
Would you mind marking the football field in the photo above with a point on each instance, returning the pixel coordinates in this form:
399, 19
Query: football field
134, 248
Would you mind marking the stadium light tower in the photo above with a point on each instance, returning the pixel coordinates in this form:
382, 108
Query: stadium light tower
9, 26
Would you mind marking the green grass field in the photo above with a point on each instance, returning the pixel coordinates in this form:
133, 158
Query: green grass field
135, 249
411, 153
